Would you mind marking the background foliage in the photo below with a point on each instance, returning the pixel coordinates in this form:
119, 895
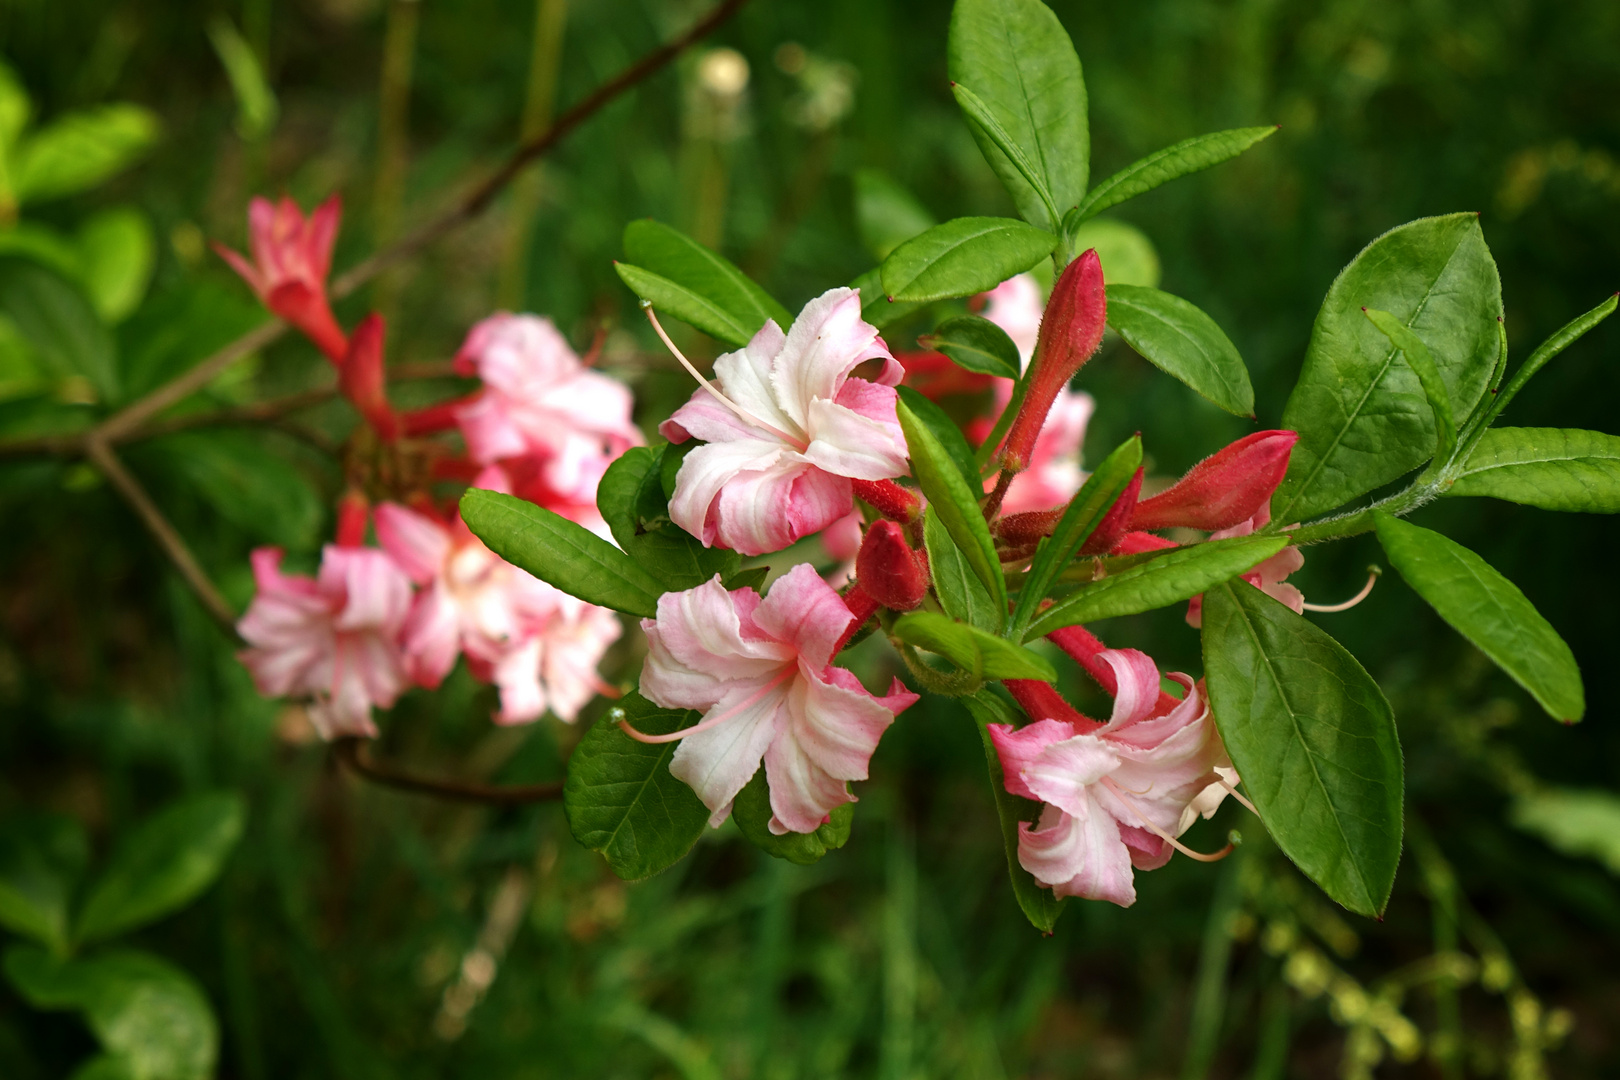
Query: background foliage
362, 933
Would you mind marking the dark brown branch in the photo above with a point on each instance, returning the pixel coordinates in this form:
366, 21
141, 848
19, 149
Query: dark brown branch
101, 455
354, 756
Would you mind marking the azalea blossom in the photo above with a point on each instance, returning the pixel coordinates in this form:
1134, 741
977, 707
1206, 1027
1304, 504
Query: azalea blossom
761, 672
542, 414
787, 430
332, 637
1117, 794
539, 645
1016, 305
291, 257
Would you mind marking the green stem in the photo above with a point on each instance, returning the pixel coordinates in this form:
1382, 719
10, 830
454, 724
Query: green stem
987, 449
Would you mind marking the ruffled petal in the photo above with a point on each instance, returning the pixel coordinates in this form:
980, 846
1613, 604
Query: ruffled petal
517, 673
574, 646
759, 512
1136, 679
1063, 773
375, 594
702, 630
431, 638
1019, 747
825, 343
706, 471
1079, 855
719, 762
803, 611
846, 443
417, 543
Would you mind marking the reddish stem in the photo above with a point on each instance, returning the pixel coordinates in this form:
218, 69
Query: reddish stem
1042, 701
354, 515
1084, 646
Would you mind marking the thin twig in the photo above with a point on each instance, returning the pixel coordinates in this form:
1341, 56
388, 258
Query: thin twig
352, 753
102, 456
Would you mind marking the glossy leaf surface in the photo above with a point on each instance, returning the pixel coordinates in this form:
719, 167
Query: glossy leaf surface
1176, 337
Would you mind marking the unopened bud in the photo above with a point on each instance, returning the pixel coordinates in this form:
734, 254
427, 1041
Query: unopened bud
1117, 522
1071, 331
353, 516
1223, 490
889, 571
363, 380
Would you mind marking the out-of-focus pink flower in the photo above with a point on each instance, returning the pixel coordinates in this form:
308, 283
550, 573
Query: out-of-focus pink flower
539, 645
1224, 490
786, 431
761, 671
1054, 472
842, 541
1270, 577
1116, 795
332, 637
527, 478
291, 258
364, 380
541, 405
1016, 305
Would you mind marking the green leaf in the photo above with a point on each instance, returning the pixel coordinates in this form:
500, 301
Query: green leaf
975, 344
60, 324
673, 255
620, 798
178, 324
1314, 740
962, 257
1567, 335
944, 429
256, 105
956, 504
1577, 823
886, 214
1019, 61
677, 300
1488, 610
1175, 575
44, 245
751, 578
15, 108
1553, 468
960, 593
244, 481
986, 125
42, 857
165, 864
116, 253
146, 1012
1176, 337
1040, 905
1188, 156
560, 552
980, 654
877, 308
632, 501
1421, 361
752, 813
1128, 257
1362, 417
1080, 519
80, 150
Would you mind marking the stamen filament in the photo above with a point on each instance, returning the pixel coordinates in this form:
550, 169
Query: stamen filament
708, 722
1166, 837
742, 414
1238, 795
1373, 573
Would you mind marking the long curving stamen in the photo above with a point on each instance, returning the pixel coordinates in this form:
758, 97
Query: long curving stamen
742, 414
1238, 795
1166, 837
708, 721
1373, 573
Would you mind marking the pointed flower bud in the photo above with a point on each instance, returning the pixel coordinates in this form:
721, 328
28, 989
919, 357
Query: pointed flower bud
363, 380
1071, 331
1117, 522
1225, 489
889, 571
291, 257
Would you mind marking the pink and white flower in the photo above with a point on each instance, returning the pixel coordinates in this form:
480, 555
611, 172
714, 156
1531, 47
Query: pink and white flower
539, 645
1118, 794
1016, 305
542, 405
787, 430
332, 637
291, 258
761, 672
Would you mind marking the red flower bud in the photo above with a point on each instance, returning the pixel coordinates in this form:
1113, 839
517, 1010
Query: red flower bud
363, 380
353, 516
889, 499
1225, 489
863, 607
1071, 331
1117, 522
1022, 530
889, 571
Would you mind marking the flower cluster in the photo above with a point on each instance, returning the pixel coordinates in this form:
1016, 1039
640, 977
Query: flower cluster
373, 620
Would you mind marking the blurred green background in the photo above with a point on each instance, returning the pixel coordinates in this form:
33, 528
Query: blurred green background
361, 933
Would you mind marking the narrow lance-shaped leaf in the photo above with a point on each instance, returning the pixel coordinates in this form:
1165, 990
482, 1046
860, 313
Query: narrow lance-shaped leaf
876, 307
1081, 518
1040, 905
960, 593
1428, 375
981, 116
685, 304
1553, 468
1488, 610
1362, 417
975, 344
560, 552
1179, 339
1314, 740
1567, 335
962, 257
622, 800
976, 652
1188, 156
1167, 578
956, 504
672, 254
1020, 62
945, 430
